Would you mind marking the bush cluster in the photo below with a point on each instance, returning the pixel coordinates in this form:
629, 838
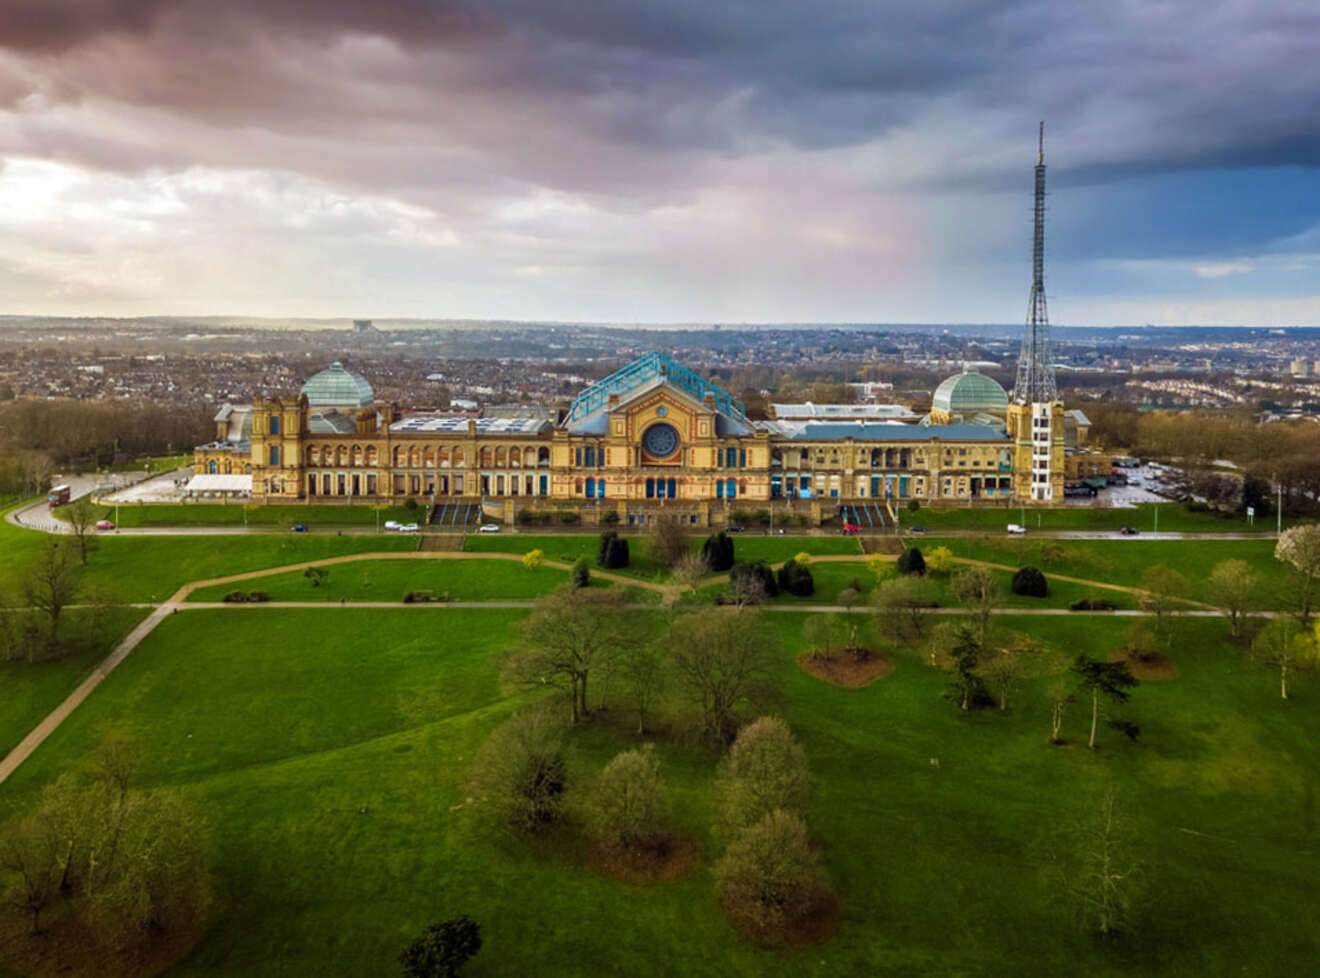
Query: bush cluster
1030, 582
581, 576
911, 561
795, 578
747, 576
717, 552
612, 553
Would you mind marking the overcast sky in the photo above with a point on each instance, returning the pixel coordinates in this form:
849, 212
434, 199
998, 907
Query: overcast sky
661, 160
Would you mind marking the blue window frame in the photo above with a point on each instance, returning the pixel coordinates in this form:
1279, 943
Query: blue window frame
590, 459
274, 424
274, 455
731, 489
742, 458
719, 489
577, 457
591, 488
673, 488
650, 488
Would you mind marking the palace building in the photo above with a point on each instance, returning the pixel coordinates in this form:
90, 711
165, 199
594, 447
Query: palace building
655, 436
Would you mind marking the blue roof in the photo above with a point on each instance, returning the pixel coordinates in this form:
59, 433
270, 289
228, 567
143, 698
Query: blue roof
644, 369
833, 431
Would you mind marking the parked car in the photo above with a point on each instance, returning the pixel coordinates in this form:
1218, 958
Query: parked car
1129, 531
916, 529
489, 528
1016, 528
733, 529
104, 525
851, 528
391, 524
299, 528
408, 527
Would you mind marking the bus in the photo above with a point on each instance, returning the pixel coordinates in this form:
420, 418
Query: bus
58, 496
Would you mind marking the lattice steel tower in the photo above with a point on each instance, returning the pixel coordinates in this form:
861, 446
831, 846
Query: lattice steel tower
1035, 373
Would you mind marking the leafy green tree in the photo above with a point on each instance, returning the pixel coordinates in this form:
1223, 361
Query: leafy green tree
1097, 678
967, 685
442, 949
581, 573
765, 769
612, 554
629, 804
771, 876
1162, 589
978, 588
82, 515
533, 559
940, 561
902, 605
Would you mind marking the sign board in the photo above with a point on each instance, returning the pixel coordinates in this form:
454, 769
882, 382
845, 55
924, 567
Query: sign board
1251, 510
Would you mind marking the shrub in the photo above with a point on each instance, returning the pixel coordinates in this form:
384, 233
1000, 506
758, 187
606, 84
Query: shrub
410, 504
795, 578
761, 517
610, 517
717, 551
235, 597
569, 517
913, 505
581, 576
746, 577
258, 596
940, 560
442, 949
771, 876
524, 517
613, 551
533, 559
1093, 604
765, 770
1030, 582
629, 805
911, 561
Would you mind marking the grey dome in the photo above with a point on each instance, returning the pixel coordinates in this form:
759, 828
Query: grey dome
337, 387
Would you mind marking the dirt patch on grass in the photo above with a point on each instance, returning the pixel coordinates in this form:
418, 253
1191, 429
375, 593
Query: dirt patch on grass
68, 948
849, 668
815, 926
667, 859
1150, 667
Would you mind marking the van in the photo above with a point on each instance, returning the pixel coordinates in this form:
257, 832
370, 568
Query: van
1016, 528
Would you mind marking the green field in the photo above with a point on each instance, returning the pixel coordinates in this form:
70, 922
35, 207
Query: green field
236, 514
331, 749
1173, 518
1124, 561
388, 580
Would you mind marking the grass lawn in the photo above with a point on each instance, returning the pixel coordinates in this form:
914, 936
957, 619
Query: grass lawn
1174, 518
236, 514
151, 568
31, 690
330, 749
1124, 561
388, 580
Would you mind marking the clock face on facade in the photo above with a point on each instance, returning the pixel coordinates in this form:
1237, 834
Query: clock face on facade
660, 440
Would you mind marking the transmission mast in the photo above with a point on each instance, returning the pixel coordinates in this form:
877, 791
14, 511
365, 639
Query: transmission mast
1035, 374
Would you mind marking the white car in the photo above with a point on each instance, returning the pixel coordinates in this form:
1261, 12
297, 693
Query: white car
1016, 528
489, 528
407, 528
392, 524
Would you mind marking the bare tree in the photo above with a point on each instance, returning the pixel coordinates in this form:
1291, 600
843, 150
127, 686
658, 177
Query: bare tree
765, 769
902, 605
629, 805
1235, 587
571, 633
1283, 644
1162, 590
1060, 697
1299, 548
641, 669
81, 514
117, 762
50, 584
1003, 674
689, 570
669, 539
771, 876
1098, 869
29, 853
978, 588
521, 771
723, 659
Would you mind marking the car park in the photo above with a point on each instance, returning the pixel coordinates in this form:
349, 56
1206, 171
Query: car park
489, 528
104, 525
299, 528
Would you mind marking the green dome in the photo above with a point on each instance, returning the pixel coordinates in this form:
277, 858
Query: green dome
968, 393
337, 387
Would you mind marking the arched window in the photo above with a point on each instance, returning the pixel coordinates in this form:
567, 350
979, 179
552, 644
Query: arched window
247, 469
485, 455
356, 456
371, 455
210, 467
428, 457
501, 458
311, 455
458, 457
577, 486
442, 457
591, 488
719, 488
414, 458
542, 457
400, 456
731, 489
229, 467
515, 457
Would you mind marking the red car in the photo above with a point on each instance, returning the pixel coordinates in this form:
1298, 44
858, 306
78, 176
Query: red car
851, 528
